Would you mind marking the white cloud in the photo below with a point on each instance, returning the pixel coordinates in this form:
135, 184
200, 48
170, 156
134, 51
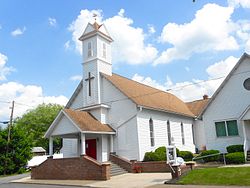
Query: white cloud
151, 29
67, 45
211, 29
222, 68
18, 31
76, 78
129, 42
26, 97
195, 89
4, 70
237, 3
52, 22
248, 46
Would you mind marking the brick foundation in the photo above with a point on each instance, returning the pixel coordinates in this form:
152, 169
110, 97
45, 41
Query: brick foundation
153, 166
81, 168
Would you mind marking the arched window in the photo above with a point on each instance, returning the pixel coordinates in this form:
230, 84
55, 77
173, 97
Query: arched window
182, 134
90, 50
169, 133
151, 129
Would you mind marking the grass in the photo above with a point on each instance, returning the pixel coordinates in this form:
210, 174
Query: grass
218, 176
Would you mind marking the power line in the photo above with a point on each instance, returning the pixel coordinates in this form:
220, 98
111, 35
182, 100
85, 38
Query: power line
174, 88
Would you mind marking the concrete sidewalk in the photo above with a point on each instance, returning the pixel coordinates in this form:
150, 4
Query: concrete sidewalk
128, 180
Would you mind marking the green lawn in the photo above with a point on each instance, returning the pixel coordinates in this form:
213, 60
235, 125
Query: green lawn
218, 176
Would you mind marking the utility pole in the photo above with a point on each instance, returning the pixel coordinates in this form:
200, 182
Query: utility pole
9, 131
11, 119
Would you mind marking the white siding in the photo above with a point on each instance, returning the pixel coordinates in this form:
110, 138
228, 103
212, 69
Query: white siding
64, 126
160, 131
199, 134
70, 148
78, 100
122, 117
229, 104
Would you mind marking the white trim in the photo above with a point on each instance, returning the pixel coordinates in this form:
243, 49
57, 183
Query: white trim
166, 111
242, 58
72, 121
47, 134
95, 106
52, 126
75, 94
97, 132
225, 121
244, 113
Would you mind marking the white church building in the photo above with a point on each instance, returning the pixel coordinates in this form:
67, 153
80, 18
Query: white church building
110, 113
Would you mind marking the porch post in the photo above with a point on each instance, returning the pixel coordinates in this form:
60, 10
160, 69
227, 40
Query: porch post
111, 143
245, 139
50, 145
83, 149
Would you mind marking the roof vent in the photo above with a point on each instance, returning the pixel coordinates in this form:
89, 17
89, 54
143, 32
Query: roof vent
205, 97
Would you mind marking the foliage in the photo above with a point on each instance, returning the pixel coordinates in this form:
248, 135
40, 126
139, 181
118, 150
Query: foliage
218, 176
211, 158
152, 156
235, 158
36, 122
158, 155
186, 155
235, 148
19, 151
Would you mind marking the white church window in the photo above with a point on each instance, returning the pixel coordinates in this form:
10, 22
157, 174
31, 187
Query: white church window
169, 133
182, 134
151, 129
104, 50
226, 128
90, 50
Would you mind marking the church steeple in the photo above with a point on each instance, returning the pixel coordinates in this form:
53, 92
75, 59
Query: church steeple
96, 52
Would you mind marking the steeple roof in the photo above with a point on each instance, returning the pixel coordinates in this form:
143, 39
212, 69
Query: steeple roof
95, 29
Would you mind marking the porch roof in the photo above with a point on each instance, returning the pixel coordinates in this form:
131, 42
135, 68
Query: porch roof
86, 122
70, 121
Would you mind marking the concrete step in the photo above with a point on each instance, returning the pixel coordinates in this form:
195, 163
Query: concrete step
116, 170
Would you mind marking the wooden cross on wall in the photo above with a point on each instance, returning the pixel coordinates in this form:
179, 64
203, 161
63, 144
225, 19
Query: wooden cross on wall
89, 80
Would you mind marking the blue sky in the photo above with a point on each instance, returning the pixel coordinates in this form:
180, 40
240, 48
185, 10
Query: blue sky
165, 44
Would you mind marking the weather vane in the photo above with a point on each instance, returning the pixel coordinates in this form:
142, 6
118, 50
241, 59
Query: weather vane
94, 16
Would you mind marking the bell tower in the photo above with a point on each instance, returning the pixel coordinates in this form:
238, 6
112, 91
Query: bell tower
96, 52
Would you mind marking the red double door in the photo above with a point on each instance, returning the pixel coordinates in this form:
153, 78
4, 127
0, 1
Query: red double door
91, 148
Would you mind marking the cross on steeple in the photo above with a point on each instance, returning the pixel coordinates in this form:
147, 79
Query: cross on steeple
89, 80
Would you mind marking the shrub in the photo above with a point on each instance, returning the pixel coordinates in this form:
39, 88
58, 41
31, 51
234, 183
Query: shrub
235, 158
151, 156
211, 158
186, 155
235, 148
161, 153
161, 149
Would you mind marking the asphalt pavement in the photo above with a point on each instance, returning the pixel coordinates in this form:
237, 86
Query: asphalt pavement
8, 179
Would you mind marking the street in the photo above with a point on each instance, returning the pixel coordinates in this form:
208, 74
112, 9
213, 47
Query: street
5, 182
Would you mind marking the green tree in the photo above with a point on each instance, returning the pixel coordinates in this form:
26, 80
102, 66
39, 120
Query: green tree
36, 122
19, 151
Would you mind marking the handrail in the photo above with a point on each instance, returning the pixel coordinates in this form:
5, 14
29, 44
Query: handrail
215, 154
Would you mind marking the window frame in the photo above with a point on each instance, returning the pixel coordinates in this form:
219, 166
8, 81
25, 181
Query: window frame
151, 132
90, 49
104, 50
226, 128
182, 134
169, 133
